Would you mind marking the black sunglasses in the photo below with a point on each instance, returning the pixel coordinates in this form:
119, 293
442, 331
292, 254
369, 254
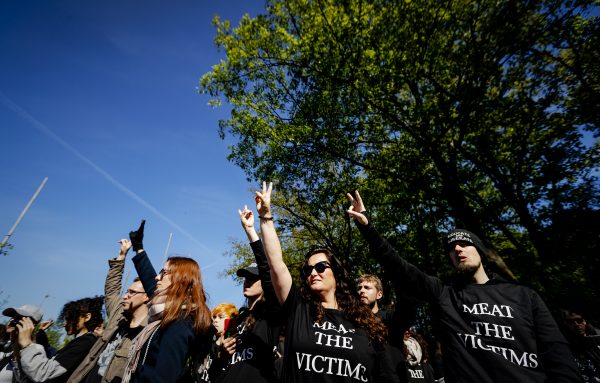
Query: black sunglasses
319, 267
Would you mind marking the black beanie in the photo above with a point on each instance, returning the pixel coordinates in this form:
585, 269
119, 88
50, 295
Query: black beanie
466, 236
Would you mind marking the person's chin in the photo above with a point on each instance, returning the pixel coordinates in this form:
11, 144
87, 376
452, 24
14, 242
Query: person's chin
466, 269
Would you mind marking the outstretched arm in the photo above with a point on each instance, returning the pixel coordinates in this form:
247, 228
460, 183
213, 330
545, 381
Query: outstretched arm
282, 279
142, 263
408, 276
247, 220
112, 285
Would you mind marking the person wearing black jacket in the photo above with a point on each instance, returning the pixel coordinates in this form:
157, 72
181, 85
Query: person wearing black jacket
179, 320
247, 354
491, 330
81, 317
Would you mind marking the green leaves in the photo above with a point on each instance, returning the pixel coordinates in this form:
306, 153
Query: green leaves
463, 113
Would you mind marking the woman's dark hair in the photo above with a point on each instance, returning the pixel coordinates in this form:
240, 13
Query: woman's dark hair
72, 311
346, 297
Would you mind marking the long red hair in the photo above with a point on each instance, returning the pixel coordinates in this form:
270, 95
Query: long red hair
185, 297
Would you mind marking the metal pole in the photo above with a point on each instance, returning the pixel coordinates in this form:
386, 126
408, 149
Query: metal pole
12, 229
168, 245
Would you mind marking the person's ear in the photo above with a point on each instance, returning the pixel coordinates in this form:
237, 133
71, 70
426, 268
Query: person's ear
86, 317
379, 295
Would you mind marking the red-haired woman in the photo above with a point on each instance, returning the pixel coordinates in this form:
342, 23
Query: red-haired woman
330, 336
179, 320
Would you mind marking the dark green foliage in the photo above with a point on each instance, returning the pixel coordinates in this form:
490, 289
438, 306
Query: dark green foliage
475, 114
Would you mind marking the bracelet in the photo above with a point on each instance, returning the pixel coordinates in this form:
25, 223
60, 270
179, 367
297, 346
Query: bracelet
266, 218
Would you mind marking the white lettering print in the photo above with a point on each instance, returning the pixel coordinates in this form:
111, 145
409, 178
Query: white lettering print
493, 330
330, 366
327, 326
483, 308
245, 354
526, 359
416, 374
333, 340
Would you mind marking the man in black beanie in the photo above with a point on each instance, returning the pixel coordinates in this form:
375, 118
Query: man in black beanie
490, 330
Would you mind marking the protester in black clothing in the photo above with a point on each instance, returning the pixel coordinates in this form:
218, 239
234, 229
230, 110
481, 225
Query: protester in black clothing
179, 323
397, 321
247, 353
418, 369
330, 335
491, 330
584, 341
81, 317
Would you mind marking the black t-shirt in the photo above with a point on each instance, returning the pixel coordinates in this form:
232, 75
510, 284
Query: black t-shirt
73, 354
419, 373
254, 356
332, 351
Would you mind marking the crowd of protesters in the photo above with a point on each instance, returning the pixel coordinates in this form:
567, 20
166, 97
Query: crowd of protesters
326, 327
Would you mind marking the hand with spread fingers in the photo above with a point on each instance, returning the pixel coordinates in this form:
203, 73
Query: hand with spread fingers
357, 208
263, 201
137, 238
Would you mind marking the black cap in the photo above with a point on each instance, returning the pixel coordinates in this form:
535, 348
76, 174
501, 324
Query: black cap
248, 271
466, 236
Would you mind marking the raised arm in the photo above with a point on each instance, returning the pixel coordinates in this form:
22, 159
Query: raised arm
264, 271
282, 279
409, 277
142, 263
112, 285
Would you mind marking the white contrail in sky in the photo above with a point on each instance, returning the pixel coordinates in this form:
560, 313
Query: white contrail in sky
44, 129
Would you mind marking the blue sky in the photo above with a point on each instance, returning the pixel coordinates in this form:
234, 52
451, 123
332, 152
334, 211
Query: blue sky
101, 97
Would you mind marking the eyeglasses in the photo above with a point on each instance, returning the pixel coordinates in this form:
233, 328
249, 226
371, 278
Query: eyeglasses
133, 292
163, 272
579, 320
319, 267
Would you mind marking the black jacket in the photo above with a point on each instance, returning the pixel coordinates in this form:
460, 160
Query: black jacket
492, 332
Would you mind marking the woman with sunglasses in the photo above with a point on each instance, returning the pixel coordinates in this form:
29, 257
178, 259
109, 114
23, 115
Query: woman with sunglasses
330, 335
179, 321
246, 352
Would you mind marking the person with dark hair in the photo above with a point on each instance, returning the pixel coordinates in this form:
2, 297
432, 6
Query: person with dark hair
584, 341
179, 323
491, 330
247, 351
126, 317
416, 354
330, 335
80, 317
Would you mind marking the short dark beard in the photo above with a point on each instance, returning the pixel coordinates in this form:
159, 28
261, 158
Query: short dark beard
467, 271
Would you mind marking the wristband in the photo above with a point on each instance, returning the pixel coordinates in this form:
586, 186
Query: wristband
266, 218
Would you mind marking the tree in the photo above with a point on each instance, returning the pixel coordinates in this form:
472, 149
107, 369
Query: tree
464, 113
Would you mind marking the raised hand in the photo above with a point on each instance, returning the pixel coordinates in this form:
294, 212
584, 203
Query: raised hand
263, 201
246, 217
137, 237
357, 208
125, 246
